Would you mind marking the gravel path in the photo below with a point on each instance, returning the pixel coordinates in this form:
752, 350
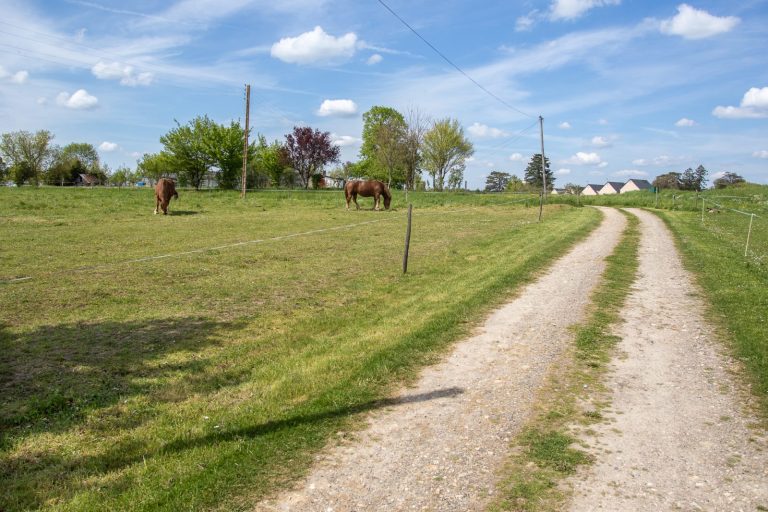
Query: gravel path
678, 436
439, 448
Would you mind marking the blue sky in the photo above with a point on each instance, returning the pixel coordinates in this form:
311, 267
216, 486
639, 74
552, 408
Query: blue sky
627, 89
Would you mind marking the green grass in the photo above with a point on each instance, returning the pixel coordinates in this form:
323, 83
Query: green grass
208, 379
736, 287
546, 452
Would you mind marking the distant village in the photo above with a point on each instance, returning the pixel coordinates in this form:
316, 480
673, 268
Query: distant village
610, 187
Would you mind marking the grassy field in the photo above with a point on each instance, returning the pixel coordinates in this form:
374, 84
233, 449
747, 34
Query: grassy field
197, 360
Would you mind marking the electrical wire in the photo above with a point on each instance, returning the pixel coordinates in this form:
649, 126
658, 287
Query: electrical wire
449, 61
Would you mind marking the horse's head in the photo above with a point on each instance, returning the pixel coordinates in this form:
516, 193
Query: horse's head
386, 193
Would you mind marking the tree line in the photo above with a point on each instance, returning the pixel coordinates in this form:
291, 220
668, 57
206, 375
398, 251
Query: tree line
395, 148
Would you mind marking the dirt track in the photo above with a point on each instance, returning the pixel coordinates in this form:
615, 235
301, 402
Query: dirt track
440, 448
677, 436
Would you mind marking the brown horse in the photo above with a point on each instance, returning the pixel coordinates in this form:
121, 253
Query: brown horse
368, 188
164, 191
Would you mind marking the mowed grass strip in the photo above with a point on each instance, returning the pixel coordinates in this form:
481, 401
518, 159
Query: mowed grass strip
547, 451
736, 286
207, 381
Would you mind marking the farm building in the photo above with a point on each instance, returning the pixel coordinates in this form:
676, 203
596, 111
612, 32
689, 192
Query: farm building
611, 187
591, 190
86, 180
634, 185
558, 191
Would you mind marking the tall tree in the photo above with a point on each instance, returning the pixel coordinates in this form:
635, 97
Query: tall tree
269, 160
307, 151
28, 155
572, 188
534, 176
497, 181
384, 137
224, 147
417, 125
445, 149
670, 180
121, 176
728, 178
186, 149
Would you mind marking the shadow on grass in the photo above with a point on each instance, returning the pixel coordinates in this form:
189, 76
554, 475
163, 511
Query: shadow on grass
182, 212
50, 378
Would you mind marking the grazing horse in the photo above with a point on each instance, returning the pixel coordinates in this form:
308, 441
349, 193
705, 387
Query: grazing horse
368, 188
164, 191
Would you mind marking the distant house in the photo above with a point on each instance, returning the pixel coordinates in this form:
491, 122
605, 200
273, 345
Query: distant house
86, 180
591, 190
329, 182
558, 191
611, 187
635, 185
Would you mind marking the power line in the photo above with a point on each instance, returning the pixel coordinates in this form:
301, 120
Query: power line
446, 59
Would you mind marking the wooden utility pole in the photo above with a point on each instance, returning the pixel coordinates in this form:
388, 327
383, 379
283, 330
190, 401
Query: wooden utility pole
543, 168
407, 240
247, 128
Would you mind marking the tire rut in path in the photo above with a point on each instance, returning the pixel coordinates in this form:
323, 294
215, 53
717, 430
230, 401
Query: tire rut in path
678, 434
440, 446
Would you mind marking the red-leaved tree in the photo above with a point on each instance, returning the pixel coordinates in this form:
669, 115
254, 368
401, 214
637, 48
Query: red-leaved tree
307, 151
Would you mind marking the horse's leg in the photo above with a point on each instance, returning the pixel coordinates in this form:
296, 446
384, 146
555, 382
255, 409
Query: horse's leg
347, 196
354, 198
376, 198
157, 203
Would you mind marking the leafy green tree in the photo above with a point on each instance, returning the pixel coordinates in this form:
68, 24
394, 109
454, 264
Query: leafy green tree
28, 155
74, 159
384, 148
497, 181
727, 179
223, 145
534, 176
155, 165
269, 160
445, 150
572, 188
187, 151
122, 176
515, 184
307, 151
670, 180
3, 170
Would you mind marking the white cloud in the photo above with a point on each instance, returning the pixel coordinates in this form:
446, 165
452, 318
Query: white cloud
315, 47
754, 97
754, 105
108, 146
630, 173
20, 77
525, 23
582, 158
125, 73
685, 122
602, 122
339, 108
660, 160
718, 175
692, 23
565, 125
42, 100
481, 130
516, 157
345, 140
760, 154
601, 142
602, 164
80, 100
563, 172
374, 59
571, 9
